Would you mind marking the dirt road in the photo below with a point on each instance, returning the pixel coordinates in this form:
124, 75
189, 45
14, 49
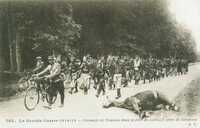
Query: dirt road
83, 107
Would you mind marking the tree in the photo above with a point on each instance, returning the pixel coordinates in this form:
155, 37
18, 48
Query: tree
2, 60
134, 26
130, 27
50, 29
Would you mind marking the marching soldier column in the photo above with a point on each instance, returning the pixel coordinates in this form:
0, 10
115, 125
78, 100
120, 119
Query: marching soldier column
106, 74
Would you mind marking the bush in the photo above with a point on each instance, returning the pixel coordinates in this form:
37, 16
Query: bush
8, 86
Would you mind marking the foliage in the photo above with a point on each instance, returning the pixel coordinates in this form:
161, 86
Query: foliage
47, 26
129, 27
142, 27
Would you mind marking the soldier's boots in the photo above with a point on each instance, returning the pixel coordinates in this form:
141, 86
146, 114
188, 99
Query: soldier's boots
118, 94
62, 105
85, 90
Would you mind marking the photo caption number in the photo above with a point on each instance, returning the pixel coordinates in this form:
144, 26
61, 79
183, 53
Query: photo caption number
10, 121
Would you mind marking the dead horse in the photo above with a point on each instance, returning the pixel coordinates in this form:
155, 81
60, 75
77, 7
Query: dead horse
144, 101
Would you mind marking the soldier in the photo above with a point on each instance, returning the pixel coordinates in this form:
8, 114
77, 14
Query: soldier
111, 74
143, 70
85, 85
48, 68
74, 75
117, 78
100, 74
39, 65
179, 67
137, 63
126, 71
131, 68
150, 69
163, 68
57, 84
52, 75
168, 67
186, 64
40, 80
157, 70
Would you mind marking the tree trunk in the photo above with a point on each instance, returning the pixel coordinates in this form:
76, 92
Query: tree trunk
10, 37
11, 46
18, 52
2, 59
12, 67
53, 53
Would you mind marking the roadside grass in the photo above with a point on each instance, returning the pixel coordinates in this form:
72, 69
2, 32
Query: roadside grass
188, 99
8, 84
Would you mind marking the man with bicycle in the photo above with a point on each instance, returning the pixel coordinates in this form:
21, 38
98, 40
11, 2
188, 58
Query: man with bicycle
41, 82
51, 76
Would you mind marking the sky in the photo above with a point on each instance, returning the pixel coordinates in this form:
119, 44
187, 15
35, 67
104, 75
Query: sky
187, 12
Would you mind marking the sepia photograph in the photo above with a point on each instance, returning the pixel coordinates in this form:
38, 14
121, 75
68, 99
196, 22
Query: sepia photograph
99, 63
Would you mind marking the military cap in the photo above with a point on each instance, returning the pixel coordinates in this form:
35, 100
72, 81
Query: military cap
38, 57
50, 57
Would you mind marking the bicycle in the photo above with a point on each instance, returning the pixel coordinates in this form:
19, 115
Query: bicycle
24, 81
34, 93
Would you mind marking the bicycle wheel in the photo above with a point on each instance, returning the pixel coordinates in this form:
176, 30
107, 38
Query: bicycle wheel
31, 98
53, 99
